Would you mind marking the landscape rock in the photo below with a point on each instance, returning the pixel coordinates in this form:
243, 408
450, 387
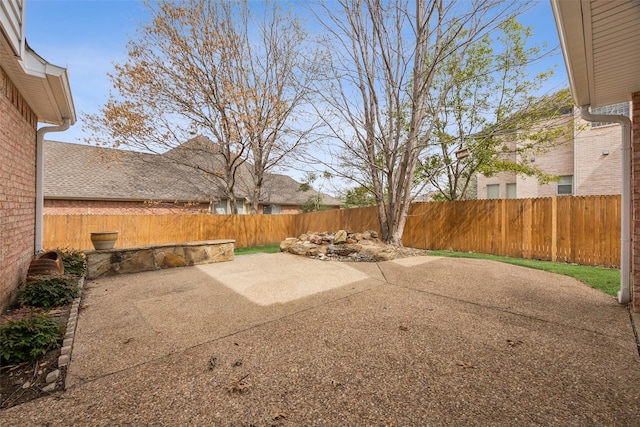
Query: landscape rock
344, 245
340, 237
287, 243
49, 388
117, 261
53, 376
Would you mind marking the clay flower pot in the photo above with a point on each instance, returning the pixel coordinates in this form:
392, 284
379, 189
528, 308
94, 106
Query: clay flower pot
49, 263
104, 239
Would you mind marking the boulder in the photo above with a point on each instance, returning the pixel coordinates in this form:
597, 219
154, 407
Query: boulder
316, 239
342, 245
287, 243
340, 237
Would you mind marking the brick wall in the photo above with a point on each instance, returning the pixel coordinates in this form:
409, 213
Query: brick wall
635, 200
502, 179
17, 188
557, 161
99, 207
592, 155
105, 207
596, 172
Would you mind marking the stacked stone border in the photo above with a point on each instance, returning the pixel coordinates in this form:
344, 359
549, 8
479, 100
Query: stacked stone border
113, 262
67, 343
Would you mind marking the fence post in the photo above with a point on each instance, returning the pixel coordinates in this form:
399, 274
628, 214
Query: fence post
503, 227
554, 229
527, 229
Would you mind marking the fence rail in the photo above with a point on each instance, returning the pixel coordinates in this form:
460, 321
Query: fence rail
583, 230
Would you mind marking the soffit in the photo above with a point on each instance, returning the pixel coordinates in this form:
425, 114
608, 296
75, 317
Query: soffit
600, 40
44, 86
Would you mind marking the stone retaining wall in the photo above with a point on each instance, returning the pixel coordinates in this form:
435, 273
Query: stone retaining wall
112, 262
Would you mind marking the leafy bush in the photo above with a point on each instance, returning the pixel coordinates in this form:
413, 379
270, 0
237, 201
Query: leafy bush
73, 260
27, 339
49, 291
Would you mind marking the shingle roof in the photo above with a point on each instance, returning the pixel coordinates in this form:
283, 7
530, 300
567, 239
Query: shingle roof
73, 171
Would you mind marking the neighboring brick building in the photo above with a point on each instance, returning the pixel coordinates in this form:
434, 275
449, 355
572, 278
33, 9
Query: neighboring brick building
81, 179
587, 162
31, 91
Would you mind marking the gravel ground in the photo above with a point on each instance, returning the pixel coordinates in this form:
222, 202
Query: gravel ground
420, 341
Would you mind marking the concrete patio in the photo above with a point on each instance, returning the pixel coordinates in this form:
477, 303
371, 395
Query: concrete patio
284, 340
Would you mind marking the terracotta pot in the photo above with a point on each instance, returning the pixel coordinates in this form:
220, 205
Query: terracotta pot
49, 263
104, 239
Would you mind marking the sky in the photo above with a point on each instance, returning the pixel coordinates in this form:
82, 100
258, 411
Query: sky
89, 36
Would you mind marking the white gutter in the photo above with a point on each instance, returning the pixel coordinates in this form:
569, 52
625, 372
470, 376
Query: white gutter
624, 295
40, 178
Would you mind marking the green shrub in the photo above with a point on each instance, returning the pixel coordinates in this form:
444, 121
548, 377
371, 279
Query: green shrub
73, 260
27, 339
49, 291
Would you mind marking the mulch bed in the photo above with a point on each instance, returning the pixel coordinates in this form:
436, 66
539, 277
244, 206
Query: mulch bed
25, 381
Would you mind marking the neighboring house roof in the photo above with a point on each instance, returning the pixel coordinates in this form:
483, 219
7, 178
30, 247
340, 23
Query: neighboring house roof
44, 86
600, 45
82, 172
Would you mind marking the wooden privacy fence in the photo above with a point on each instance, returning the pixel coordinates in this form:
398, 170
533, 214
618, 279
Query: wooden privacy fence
74, 231
583, 230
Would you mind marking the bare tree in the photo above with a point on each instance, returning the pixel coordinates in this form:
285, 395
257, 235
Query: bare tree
217, 69
385, 57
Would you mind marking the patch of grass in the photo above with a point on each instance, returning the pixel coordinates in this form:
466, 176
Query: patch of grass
267, 249
605, 279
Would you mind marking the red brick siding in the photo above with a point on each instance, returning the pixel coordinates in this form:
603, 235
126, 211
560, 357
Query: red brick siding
105, 207
98, 207
17, 188
635, 199
289, 210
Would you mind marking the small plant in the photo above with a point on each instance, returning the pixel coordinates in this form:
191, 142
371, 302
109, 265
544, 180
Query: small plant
27, 339
73, 260
50, 291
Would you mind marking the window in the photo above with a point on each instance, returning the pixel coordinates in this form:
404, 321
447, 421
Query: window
220, 207
271, 209
565, 185
240, 206
511, 191
493, 191
621, 109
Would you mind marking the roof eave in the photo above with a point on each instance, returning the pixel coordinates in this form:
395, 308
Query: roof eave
120, 199
58, 104
570, 23
44, 86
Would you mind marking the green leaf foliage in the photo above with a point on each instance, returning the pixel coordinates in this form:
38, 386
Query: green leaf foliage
49, 291
358, 197
494, 111
74, 261
27, 339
